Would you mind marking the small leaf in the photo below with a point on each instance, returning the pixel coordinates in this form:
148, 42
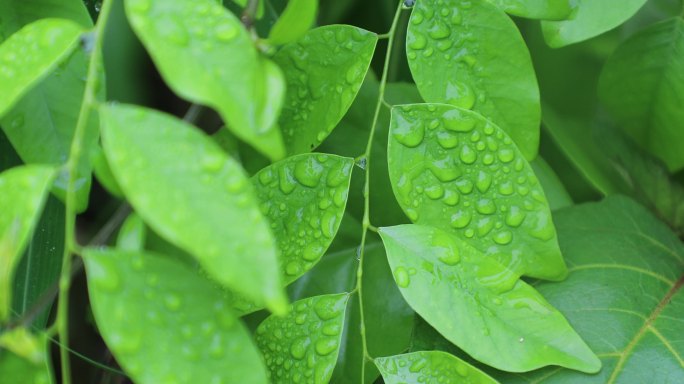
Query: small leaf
479, 305
31, 53
147, 305
589, 18
452, 169
191, 193
458, 53
624, 294
24, 358
323, 70
23, 191
132, 234
206, 56
430, 366
296, 19
304, 198
649, 67
535, 9
304, 344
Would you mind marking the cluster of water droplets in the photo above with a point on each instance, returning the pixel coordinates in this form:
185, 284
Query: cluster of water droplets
303, 346
304, 198
426, 367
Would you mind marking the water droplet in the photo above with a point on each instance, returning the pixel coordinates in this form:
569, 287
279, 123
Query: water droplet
434, 191
292, 268
467, 155
521, 340
325, 308
484, 226
460, 95
460, 219
326, 346
287, 181
309, 171
225, 32
417, 41
401, 276
445, 249
503, 237
485, 206
506, 188
456, 121
451, 198
418, 365
331, 329
506, 155
298, 348
409, 135
412, 214
212, 162
439, 31
515, 216
446, 139
172, 302
483, 181
328, 223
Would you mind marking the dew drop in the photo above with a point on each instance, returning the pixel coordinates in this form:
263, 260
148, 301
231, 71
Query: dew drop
515, 216
225, 32
401, 276
485, 206
503, 237
467, 155
460, 219
308, 172
298, 348
417, 41
408, 135
506, 155
483, 181
460, 95
326, 346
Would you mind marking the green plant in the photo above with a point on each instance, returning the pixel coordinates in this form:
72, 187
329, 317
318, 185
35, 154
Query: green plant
307, 221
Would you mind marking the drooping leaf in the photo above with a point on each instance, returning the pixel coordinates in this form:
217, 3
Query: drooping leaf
459, 52
324, 71
31, 53
23, 191
589, 18
132, 234
624, 294
642, 85
296, 19
304, 344
479, 305
428, 367
303, 197
452, 169
24, 358
41, 123
206, 56
554, 189
147, 305
191, 193
536, 9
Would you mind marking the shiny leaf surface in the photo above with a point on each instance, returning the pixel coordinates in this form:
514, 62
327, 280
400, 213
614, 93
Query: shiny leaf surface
459, 51
206, 195
323, 71
206, 56
304, 344
452, 169
296, 19
536, 9
479, 305
429, 367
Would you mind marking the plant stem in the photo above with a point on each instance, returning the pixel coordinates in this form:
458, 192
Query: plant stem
366, 225
70, 244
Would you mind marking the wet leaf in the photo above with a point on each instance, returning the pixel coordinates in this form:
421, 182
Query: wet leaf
452, 169
589, 18
430, 366
146, 305
296, 19
205, 195
206, 56
458, 53
623, 295
649, 67
303, 197
324, 71
24, 358
23, 191
536, 9
554, 189
304, 344
479, 305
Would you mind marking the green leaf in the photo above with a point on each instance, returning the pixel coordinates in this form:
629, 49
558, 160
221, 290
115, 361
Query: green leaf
452, 169
206, 56
554, 190
642, 85
31, 53
260, 7
296, 19
479, 305
324, 71
535, 9
103, 173
147, 305
589, 18
132, 234
304, 344
430, 366
304, 198
23, 191
624, 294
24, 358
41, 123
459, 52
191, 193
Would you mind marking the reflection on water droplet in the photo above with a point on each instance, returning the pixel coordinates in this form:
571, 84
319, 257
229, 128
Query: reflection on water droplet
460, 95
401, 276
326, 346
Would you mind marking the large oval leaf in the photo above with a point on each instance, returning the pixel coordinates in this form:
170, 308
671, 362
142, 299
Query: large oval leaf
624, 294
589, 18
304, 198
458, 53
195, 196
536, 9
323, 70
206, 56
146, 306
430, 367
649, 67
452, 169
31, 53
303, 345
479, 305
23, 191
